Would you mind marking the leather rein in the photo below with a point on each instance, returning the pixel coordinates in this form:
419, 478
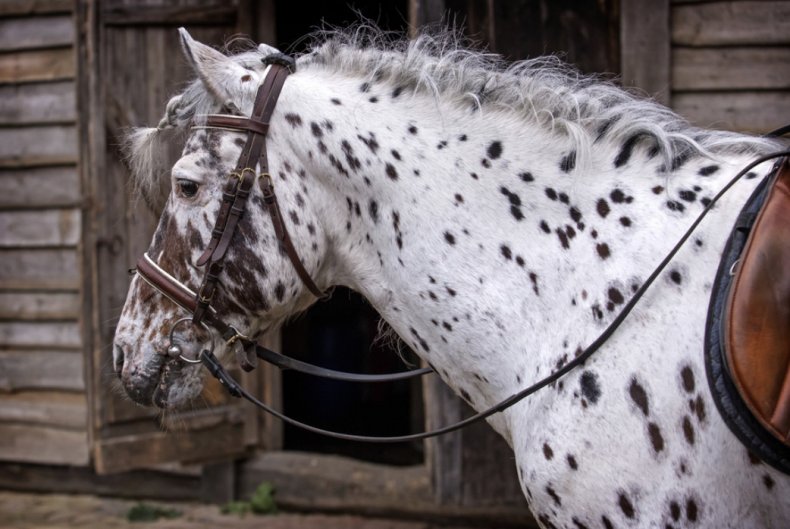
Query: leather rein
234, 199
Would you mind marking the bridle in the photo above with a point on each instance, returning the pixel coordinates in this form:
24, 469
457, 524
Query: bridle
234, 200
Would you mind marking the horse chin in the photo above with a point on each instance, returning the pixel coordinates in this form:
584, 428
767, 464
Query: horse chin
178, 385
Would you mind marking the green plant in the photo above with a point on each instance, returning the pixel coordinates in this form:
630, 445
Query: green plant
143, 512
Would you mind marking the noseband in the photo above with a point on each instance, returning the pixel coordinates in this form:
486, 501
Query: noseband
234, 199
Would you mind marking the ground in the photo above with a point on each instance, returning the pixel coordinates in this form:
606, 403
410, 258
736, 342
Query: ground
56, 511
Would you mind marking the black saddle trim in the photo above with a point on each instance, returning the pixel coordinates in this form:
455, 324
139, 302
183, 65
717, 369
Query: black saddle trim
731, 406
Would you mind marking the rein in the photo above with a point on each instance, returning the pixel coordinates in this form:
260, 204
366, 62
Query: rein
234, 199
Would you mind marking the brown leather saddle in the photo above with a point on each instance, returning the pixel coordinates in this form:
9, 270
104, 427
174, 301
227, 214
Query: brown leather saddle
748, 335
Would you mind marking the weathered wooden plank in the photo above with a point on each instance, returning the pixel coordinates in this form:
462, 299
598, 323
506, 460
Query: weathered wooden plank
139, 484
127, 452
140, 14
763, 68
42, 444
33, 160
56, 409
57, 334
324, 482
645, 46
39, 305
53, 227
731, 23
756, 112
39, 187
39, 269
34, 7
48, 31
44, 141
41, 370
37, 65
38, 103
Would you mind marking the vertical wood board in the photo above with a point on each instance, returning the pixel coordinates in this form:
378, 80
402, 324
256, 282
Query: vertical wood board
645, 47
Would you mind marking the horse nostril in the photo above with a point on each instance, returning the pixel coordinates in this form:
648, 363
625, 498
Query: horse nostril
117, 360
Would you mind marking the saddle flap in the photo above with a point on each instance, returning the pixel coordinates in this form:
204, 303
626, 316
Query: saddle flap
757, 325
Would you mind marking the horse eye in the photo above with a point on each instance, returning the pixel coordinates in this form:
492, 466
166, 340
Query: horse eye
187, 188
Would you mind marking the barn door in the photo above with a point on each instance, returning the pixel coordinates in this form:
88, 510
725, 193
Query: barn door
130, 63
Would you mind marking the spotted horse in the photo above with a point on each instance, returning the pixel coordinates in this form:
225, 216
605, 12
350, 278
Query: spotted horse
499, 218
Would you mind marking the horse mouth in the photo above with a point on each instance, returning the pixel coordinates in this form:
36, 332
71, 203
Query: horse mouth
155, 384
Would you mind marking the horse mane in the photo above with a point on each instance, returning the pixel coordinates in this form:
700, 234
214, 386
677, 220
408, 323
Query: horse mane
440, 63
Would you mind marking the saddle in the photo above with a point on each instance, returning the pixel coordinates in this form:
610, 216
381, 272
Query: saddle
747, 342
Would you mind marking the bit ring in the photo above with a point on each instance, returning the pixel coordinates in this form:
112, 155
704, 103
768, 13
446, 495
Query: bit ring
174, 349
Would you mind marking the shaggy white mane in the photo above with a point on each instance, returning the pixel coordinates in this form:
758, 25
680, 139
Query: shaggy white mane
543, 90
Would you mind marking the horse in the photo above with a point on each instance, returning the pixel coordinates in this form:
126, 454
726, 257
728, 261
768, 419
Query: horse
497, 217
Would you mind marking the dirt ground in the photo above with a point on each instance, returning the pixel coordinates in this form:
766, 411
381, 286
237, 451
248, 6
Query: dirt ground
57, 511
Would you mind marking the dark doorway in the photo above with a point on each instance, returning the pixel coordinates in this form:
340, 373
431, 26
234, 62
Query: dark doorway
340, 333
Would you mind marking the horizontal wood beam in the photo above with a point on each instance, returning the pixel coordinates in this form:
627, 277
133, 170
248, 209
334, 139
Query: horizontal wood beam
43, 444
41, 370
39, 187
38, 103
755, 112
56, 409
143, 449
35, 7
319, 482
39, 305
37, 334
138, 484
732, 23
223, 14
36, 32
37, 65
747, 68
47, 228
39, 269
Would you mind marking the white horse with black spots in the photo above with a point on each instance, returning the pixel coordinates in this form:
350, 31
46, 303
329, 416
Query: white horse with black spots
497, 218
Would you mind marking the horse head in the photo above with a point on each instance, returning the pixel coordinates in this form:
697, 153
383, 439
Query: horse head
157, 339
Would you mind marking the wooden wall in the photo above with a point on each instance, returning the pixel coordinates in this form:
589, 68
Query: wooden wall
42, 389
731, 63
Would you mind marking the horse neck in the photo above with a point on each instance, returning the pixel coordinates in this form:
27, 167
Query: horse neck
473, 234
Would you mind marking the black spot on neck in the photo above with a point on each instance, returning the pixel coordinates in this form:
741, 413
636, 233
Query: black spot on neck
591, 389
625, 505
568, 162
639, 396
494, 150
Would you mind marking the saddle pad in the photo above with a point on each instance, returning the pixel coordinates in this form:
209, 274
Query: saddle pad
757, 317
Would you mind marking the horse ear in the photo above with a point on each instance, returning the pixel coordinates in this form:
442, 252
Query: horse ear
221, 76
